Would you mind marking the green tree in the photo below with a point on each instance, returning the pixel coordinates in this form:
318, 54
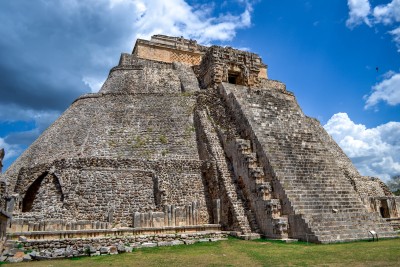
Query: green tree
394, 184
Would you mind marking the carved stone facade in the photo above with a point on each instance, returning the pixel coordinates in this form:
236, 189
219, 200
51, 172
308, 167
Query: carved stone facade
170, 49
221, 64
183, 137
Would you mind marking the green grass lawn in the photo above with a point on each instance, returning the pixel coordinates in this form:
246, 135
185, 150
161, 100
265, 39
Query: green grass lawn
234, 252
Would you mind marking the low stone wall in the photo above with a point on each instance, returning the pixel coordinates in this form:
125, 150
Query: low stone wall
27, 249
90, 233
32, 224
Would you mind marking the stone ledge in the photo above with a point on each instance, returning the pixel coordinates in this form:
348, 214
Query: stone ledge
98, 95
53, 235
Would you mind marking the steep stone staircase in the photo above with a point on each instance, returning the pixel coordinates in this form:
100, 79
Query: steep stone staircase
258, 190
224, 175
312, 185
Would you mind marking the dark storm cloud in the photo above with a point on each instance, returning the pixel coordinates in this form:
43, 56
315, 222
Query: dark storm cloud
52, 51
38, 89
48, 49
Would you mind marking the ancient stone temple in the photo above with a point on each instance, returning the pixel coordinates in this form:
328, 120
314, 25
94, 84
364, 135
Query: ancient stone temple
184, 138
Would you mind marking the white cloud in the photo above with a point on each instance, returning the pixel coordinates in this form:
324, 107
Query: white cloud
94, 83
10, 150
359, 11
388, 91
374, 151
177, 18
387, 14
396, 37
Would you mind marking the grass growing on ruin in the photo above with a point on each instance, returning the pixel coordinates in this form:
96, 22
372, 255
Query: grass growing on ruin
248, 253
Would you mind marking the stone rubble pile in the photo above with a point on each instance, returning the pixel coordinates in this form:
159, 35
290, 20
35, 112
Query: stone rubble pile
28, 250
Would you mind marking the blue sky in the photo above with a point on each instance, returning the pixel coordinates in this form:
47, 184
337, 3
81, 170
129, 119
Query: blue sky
326, 52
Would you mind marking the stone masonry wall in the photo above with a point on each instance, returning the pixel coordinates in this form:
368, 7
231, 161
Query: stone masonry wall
134, 149
111, 190
154, 126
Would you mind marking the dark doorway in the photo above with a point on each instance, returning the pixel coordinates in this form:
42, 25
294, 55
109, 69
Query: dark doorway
31, 193
232, 78
384, 209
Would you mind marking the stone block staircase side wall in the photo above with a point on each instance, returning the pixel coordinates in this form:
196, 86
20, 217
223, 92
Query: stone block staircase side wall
257, 190
189, 82
233, 216
321, 203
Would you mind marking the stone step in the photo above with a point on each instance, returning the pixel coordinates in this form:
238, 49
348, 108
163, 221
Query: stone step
338, 216
330, 197
348, 224
318, 210
327, 197
321, 188
336, 201
326, 186
344, 227
331, 203
320, 203
343, 238
380, 232
322, 193
351, 231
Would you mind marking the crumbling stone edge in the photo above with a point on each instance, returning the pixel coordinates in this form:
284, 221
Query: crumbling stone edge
28, 250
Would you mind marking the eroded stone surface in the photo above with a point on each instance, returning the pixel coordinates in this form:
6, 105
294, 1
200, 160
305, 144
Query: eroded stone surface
181, 136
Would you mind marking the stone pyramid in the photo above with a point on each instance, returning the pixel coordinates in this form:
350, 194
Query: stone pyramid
183, 137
